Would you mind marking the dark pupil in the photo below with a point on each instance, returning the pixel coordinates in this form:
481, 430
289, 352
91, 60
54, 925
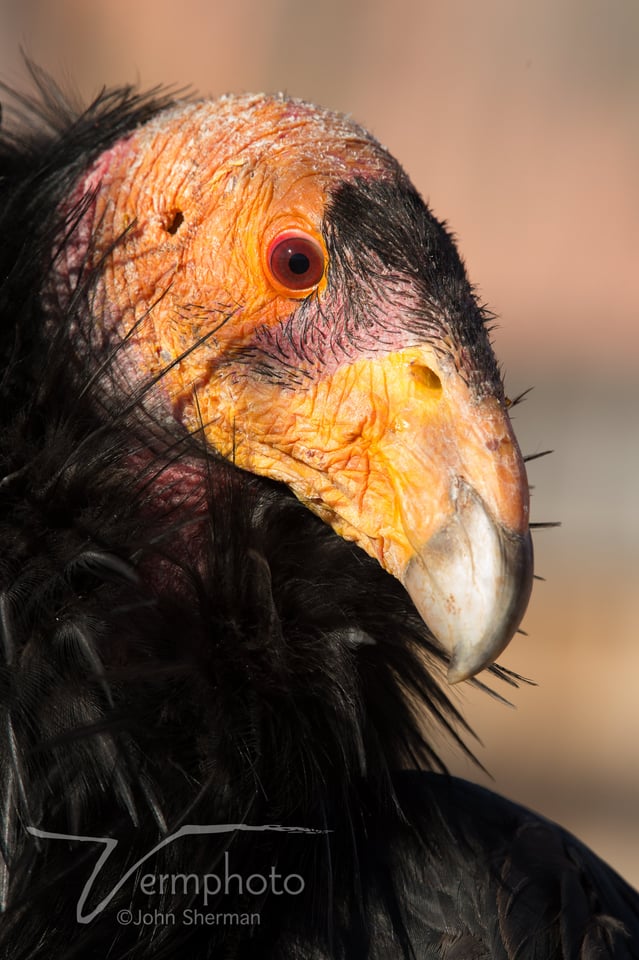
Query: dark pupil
299, 263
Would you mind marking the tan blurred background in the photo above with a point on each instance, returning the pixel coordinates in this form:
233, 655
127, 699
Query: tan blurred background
519, 121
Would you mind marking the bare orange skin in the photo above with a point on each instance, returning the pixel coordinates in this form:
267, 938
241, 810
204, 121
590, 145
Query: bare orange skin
235, 189
196, 197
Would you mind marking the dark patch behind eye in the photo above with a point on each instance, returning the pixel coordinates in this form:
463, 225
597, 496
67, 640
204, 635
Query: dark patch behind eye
379, 232
389, 220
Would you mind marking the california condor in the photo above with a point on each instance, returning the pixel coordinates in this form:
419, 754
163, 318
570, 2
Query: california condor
260, 493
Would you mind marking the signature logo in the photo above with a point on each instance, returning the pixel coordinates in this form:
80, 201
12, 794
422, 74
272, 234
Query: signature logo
186, 831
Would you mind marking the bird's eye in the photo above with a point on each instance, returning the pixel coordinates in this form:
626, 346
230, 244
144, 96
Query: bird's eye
296, 262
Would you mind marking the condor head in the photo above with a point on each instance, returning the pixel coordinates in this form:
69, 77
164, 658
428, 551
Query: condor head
269, 268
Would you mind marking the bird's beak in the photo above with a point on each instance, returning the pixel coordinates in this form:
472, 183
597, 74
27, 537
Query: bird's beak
471, 582
401, 455
463, 495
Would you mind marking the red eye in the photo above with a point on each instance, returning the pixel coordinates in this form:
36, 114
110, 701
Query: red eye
296, 261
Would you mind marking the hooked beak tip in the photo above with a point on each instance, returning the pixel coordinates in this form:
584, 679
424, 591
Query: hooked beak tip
471, 584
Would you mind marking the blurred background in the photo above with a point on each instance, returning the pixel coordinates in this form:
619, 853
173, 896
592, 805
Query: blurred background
519, 123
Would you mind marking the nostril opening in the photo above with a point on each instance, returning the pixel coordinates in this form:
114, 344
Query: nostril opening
426, 377
175, 223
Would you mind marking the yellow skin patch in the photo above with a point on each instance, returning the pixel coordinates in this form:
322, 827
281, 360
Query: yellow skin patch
375, 449
194, 198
